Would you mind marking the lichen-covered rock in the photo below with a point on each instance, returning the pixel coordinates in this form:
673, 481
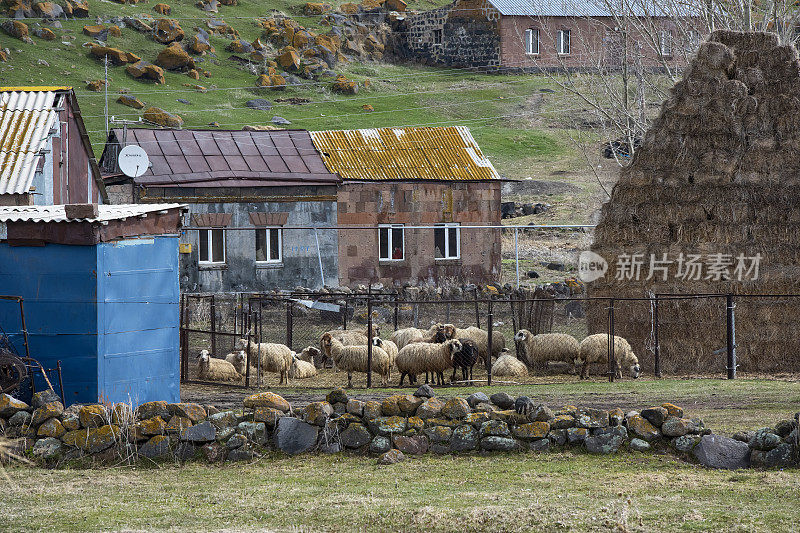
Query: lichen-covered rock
236, 441
48, 410
48, 448
268, 415
387, 425
509, 416
476, 419
355, 436
643, 428
243, 453
764, 439
616, 417
391, 457
372, 409
502, 444
121, 414
254, 431
778, 457
673, 410
577, 435
289, 59
162, 9
456, 408
45, 33
562, 422
639, 445
93, 416
52, 427
48, 10
541, 413
717, 451
157, 446
158, 116
587, 417
315, 8
317, 413
114, 55
496, 428
684, 443
92, 440
342, 85
151, 409
146, 70
166, 31
785, 427
17, 29
380, 445
464, 438
438, 433
476, 398
23, 418
200, 43
101, 32
604, 443
355, 407
177, 424
225, 419
70, 422
445, 422
214, 452
415, 423
202, 432
414, 445
430, 408
502, 400
389, 406
540, 445
675, 427
531, 431
337, 396
558, 437
655, 415
570, 410
9, 406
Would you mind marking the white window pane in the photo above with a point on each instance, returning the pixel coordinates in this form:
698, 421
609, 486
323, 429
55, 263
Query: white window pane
528, 41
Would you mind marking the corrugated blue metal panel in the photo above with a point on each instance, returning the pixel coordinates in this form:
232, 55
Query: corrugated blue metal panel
138, 318
59, 286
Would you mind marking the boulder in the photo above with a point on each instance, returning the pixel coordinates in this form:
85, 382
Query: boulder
200, 43
138, 24
177, 424
21, 418
587, 417
353, 407
214, 452
455, 408
778, 457
146, 70
48, 10
675, 427
355, 436
289, 59
639, 445
115, 55
430, 408
9, 406
391, 457
92, 440
267, 399
317, 413
684, 443
193, 411
185, 451
158, 116
388, 425
372, 409
47, 411
642, 428
101, 32
173, 57
380, 445
716, 451
496, 428
476, 398
44, 33
314, 8
605, 443
673, 410
162, 9
395, 5
558, 437
51, 428
577, 435
167, 31
655, 415
151, 409
464, 438
414, 445
152, 426
130, 101
502, 444
616, 417
342, 85
17, 29
157, 446
764, 439
254, 431
294, 436
503, 400
338, 395
438, 434
239, 47
243, 453
71, 422
96, 86
562, 422
48, 448
424, 391
268, 415
532, 431
202, 432
236, 441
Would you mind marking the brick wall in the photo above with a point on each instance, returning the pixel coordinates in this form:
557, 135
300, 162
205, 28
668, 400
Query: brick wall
418, 203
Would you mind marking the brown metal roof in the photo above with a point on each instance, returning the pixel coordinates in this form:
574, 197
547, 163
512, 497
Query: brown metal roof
224, 158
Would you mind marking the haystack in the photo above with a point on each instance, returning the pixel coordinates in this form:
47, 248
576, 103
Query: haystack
717, 173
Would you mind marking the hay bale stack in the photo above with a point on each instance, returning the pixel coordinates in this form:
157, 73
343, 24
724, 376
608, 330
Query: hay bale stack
717, 173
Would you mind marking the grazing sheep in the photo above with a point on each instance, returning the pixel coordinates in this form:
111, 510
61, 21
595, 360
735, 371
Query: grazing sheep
537, 350
509, 366
354, 359
388, 346
301, 369
594, 349
480, 337
419, 357
348, 337
403, 337
274, 357
313, 355
212, 369
465, 359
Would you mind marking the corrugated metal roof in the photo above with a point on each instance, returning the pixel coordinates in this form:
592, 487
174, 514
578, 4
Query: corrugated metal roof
224, 158
448, 153
576, 8
26, 118
57, 213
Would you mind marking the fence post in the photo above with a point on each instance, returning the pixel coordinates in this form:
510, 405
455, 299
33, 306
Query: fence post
213, 325
344, 312
369, 342
657, 347
514, 323
477, 310
612, 360
488, 361
516, 252
396, 310
289, 324
731, 320
182, 334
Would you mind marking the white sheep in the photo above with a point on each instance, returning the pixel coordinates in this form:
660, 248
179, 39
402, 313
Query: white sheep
301, 369
419, 357
212, 369
313, 355
405, 336
274, 357
388, 346
348, 337
480, 337
594, 349
238, 360
354, 359
537, 350
509, 366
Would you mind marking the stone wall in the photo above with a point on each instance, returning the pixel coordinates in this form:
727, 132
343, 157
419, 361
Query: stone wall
396, 427
465, 41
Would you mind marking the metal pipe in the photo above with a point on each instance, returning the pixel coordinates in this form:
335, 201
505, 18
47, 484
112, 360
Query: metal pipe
488, 360
516, 251
612, 360
477, 310
319, 256
731, 323
346, 227
24, 328
61, 383
213, 325
369, 343
657, 347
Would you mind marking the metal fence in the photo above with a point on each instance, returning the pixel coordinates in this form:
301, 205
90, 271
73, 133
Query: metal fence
665, 342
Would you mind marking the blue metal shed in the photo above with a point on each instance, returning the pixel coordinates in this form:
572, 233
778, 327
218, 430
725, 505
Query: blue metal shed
101, 295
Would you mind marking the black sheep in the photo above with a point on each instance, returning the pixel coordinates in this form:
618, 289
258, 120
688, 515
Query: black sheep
465, 359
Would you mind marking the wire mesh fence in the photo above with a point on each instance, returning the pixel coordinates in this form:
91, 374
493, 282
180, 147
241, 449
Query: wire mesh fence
668, 334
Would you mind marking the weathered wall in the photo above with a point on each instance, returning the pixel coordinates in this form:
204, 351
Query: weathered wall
306, 206
418, 203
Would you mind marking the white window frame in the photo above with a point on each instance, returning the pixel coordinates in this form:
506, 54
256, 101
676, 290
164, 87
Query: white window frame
267, 240
560, 48
531, 37
210, 239
389, 246
446, 252
665, 43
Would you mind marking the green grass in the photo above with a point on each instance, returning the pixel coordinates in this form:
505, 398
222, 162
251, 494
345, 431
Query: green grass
519, 492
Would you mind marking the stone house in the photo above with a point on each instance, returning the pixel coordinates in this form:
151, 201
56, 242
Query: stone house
45, 154
413, 197
258, 204
540, 35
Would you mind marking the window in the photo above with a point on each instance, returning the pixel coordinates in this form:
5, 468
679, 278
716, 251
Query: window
212, 246
666, 43
532, 41
390, 242
447, 240
562, 42
437, 36
269, 245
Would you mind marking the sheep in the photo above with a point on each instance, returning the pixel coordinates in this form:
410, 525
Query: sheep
238, 360
419, 357
212, 369
594, 349
301, 369
388, 346
537, 350
480, 337
465, 359
313, 355
348, 337
403, 337
510, 366
354, 359
274, 357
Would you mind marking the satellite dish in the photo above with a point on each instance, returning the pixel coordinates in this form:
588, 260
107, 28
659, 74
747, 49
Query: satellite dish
133, 161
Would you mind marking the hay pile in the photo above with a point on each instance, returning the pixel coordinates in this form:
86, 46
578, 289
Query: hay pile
716, 173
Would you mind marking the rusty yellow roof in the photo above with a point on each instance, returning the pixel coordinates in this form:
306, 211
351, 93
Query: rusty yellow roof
35, 88
448, 153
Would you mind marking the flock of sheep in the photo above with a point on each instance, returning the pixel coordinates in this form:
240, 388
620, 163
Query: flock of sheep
413, 352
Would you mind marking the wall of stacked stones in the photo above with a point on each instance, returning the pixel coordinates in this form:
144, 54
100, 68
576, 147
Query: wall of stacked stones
395, 428
465, 42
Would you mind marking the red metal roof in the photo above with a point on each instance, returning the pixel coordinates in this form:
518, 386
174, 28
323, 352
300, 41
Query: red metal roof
224, 158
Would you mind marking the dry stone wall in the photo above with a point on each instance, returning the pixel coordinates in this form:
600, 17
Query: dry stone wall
395, 428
